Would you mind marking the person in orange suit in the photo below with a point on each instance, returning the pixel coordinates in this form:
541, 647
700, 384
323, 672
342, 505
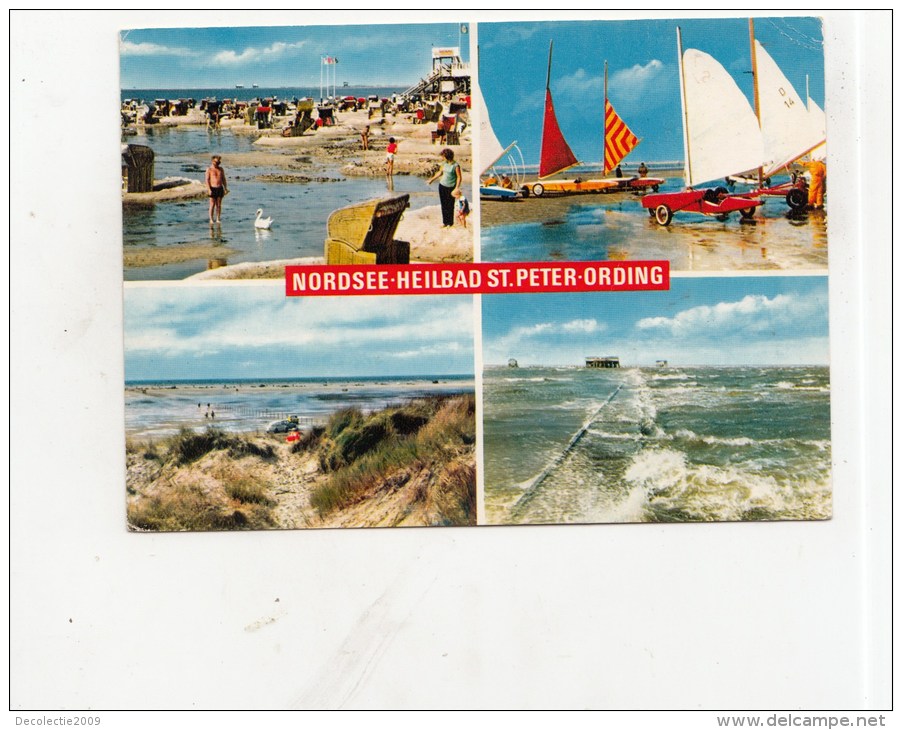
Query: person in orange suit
818, 172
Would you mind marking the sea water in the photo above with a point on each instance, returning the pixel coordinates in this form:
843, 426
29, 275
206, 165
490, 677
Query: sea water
299, 210
162, 408
657, 445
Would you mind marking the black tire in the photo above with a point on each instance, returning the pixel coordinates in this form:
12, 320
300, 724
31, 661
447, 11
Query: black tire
524, 191
747, 212
796, 199
663, 215
722, 216
651, 212
538, 190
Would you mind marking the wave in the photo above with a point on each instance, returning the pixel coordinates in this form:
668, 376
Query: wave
676, 490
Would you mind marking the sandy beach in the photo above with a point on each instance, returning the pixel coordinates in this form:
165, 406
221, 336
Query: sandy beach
615, 227
410, 465
324, 157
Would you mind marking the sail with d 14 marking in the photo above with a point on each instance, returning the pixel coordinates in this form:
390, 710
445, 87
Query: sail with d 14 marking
786, 123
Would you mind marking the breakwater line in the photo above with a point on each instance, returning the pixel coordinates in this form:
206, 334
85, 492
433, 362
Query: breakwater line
536, 482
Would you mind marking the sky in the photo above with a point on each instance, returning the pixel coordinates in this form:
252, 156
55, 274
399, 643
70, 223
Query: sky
714, 321
368, 55
181, 333
643, 83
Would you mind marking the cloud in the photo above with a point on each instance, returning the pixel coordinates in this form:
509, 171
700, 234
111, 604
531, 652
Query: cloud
578, 85
255, 55
582, 325
545, 337
204, 322
752, 314
637, 78
127, 48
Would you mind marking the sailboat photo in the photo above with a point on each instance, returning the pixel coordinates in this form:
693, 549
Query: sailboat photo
790, 128
498, 181
721, 137
556, 156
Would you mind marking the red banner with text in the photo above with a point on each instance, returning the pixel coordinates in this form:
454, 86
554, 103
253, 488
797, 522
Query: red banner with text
482, 278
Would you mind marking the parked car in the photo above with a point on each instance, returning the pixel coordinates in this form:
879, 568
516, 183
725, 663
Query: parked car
284, 426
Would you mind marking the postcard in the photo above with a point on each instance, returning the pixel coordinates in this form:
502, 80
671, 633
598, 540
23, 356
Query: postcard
524, 272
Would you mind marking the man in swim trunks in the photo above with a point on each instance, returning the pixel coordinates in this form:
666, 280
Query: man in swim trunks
217, 187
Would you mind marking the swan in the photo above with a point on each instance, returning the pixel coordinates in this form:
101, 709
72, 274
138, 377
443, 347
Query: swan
262, 222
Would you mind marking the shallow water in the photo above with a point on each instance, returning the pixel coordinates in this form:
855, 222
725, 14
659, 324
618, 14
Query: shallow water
617, 227
299, 210
660, 444
161, 408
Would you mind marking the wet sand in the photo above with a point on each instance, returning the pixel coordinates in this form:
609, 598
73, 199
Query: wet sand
148, 256
615, 226
327, 155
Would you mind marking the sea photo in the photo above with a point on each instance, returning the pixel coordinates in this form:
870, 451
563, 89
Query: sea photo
304, 120
708, 402
621, 148
247, 410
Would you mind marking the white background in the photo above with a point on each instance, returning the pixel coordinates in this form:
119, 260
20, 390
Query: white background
769, 617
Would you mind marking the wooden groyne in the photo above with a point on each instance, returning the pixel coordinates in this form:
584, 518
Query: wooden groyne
538, 479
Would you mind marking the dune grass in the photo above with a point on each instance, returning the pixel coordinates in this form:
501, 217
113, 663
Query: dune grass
220, 495
365, 455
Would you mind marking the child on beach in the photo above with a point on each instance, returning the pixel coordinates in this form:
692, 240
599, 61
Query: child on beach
462, 209
390, 151
365, 137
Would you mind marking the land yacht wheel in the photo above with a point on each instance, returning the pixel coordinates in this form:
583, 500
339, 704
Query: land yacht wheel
796, 199
538, 189
663, 215
651, 212
524, 191
722, 216
747, 212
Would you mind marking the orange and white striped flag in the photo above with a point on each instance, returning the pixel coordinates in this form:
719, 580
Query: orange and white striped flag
618, 139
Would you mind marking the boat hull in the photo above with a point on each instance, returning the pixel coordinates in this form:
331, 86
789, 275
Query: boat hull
496, 192
606, 185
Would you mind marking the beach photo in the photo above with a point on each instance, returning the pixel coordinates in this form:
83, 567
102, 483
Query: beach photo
248, 148
708, 402
244, 410
700, 141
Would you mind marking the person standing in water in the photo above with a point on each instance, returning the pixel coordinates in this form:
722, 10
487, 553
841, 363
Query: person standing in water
216, 187
390, 151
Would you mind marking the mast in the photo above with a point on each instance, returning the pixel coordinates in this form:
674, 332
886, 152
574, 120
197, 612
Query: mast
755, 87
555, 154
604, 111
548, 77
688, 153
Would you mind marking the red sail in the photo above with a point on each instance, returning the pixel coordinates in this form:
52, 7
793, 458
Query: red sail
556, 154
618, 139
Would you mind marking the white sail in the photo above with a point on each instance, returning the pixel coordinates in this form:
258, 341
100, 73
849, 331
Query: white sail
490, 149
818, 121
786, 125
721, 132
